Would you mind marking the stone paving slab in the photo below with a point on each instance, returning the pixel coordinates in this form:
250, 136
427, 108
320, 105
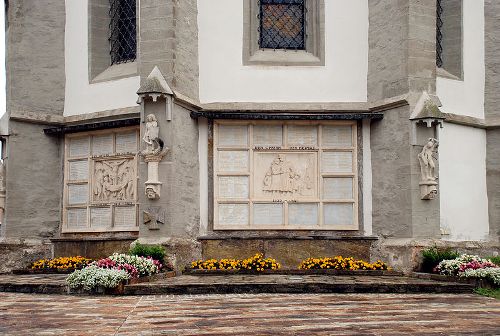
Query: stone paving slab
263, 314
200, 284
34, 283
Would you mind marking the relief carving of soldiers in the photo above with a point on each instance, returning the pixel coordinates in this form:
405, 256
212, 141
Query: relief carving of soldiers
114, 180
282, 177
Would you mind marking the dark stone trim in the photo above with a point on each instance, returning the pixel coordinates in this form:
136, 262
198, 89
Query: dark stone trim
85, 239
286, 237
285, 116
92, 126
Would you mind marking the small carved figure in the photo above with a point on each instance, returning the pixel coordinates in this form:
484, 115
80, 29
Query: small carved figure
428, 183
154, 145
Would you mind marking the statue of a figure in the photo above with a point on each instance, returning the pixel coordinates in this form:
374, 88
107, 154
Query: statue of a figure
428, 184
154, 145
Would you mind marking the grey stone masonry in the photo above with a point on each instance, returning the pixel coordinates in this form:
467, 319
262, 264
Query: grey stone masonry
168, 39
492, 111
35, 56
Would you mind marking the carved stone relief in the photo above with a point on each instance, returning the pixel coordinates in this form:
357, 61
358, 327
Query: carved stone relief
153, 216
428, 177
291, 175
114, 180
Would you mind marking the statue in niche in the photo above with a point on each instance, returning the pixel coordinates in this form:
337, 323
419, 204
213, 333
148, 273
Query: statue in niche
114, 180
282, 178
428, 178
154, 145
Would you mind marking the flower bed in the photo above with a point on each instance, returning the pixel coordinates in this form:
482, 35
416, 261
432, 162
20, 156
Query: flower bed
470, 267
110, 274
257, 263
59, 265
342, 264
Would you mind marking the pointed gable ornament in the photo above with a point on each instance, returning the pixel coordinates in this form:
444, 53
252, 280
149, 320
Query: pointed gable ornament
156, 86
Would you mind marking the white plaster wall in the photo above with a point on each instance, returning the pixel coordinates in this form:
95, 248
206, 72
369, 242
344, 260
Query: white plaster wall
462, 179
466, 97
82, 97
223, 78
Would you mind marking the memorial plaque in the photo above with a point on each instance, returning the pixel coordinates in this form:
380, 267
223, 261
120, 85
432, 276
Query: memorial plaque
100, 218
233, 161
233, 135
79, 147
78, 194
303, 214
125, 217
338, 214
126, 142
337, 136
233, 187
102, 144
302, 136
268, 214
336, 162
78, 170
285, 175
114, 180
266, 136
233, 214
76, 219
337, 188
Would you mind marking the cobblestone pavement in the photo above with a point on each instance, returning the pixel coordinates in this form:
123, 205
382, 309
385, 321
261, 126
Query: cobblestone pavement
263, 314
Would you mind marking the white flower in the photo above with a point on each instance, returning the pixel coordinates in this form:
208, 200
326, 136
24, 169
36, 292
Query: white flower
492, 274
145, 266
92, 276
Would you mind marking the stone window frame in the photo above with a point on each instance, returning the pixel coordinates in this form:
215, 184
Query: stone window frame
313, 55
99, 59
452, 40
355, 201
90, 158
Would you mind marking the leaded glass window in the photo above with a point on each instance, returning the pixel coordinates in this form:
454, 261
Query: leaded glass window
282, 24
122, 28
439, 34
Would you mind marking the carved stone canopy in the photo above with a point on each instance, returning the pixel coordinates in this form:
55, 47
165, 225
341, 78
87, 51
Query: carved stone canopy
156, 86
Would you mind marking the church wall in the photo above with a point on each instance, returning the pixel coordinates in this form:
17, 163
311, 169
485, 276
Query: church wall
466, 96
81, 96
462, 179
223, 78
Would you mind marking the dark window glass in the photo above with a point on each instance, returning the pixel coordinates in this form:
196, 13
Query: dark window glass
122, 31
282, 24
439, 34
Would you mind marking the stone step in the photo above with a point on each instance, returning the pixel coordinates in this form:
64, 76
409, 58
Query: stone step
39, 284
253, 284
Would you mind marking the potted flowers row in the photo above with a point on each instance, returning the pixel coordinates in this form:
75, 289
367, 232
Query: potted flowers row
471, 267
109, 275
259, 264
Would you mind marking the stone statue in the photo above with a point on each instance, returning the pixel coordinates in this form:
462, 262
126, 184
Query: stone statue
428, 178
153, 154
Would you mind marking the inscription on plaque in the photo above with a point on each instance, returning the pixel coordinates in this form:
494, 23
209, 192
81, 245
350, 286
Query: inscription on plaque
338, 214
233, 161
114, 180
268, 214
303, 214
286, 176
126, 142
233, 135
233, 187
100, 217
233, 214
265, 136
337, 136
336, 162
79, 147
78, 170
303, 136
125, 217
337, 188
78, 194
102, 144
77, 218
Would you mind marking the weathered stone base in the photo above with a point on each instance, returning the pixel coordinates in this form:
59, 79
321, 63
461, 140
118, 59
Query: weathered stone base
21, 255
289, 252
405, 255
93, 248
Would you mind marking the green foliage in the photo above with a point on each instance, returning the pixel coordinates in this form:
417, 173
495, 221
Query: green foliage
157, 252
433, 256
491, 292
495, 260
